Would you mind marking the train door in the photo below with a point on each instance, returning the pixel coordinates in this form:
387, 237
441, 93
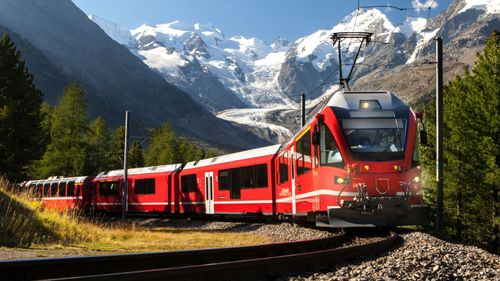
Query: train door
209, 192
304, 191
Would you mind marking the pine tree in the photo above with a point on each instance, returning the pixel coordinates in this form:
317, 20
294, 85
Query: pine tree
21, 133
471, 151
163, 147
485, 99
136, 155
99, 145
68, 152
115, 153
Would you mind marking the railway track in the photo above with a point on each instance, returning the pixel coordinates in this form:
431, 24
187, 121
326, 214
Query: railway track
239, 263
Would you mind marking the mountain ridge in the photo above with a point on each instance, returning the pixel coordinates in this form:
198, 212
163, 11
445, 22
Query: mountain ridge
264, 76
114, 79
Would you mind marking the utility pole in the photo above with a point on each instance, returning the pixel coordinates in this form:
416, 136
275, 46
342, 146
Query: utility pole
439, 136
303, 110
125, 169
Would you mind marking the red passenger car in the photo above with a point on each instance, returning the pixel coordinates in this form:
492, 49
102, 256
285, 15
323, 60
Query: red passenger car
238, 183
63, 193
150, 189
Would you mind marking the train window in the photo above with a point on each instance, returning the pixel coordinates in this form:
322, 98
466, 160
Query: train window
189, 183
330, 154
144, 186
53, 189
254, 176
376, 139
224, 180
235, 177
248, 177
37, 190
283, 169
243, 177
108, 188
62, 189
46, 189
231, 180
303, 147
71, 188
261, 175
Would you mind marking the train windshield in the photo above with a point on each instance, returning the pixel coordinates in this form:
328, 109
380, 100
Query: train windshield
376, 139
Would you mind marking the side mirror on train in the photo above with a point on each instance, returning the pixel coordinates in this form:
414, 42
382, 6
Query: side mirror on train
423, 132
423, 137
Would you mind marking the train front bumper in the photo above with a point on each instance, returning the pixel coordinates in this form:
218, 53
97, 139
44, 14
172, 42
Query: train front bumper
378, 212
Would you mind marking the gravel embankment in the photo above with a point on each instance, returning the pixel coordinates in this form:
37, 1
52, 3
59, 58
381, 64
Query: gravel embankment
420, 257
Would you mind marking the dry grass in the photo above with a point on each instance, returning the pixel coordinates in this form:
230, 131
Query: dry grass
24, 222
124, 239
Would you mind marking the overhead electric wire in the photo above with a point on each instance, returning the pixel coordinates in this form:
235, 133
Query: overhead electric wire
429, 10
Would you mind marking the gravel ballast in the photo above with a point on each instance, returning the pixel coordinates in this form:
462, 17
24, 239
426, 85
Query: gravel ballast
420, 257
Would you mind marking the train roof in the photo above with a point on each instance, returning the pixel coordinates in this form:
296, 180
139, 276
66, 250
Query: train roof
246, 154
57, 179
351, 100
142, 170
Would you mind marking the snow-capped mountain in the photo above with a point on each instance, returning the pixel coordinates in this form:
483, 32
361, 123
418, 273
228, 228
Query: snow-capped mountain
116, 32
244, 72
226, 74
242, 68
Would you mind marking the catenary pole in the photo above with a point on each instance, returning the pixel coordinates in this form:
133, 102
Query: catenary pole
303, 110
439, 136
125, 168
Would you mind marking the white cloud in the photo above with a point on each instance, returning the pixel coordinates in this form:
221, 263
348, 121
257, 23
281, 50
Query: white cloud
424, 4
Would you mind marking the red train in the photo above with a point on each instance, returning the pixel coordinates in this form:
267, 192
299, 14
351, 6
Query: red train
63, 193
354, 164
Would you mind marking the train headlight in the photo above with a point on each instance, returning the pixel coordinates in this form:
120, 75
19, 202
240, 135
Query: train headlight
366, 167
339, 180
415, 179
369, 104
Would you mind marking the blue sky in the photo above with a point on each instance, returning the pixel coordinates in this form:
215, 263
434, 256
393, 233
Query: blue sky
264, 19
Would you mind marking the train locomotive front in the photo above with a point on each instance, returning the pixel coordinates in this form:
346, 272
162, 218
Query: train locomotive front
372, 138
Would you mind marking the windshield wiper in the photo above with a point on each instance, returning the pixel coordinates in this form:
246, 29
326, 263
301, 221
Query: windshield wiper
398, 134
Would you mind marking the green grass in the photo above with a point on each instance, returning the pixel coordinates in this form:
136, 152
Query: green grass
25, 223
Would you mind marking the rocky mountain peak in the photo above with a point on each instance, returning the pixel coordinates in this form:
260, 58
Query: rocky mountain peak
280, 44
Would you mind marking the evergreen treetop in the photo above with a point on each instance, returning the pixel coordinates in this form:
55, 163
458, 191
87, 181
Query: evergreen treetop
21, 132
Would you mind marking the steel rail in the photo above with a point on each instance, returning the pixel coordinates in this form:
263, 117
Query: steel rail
240, 263
35, 269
